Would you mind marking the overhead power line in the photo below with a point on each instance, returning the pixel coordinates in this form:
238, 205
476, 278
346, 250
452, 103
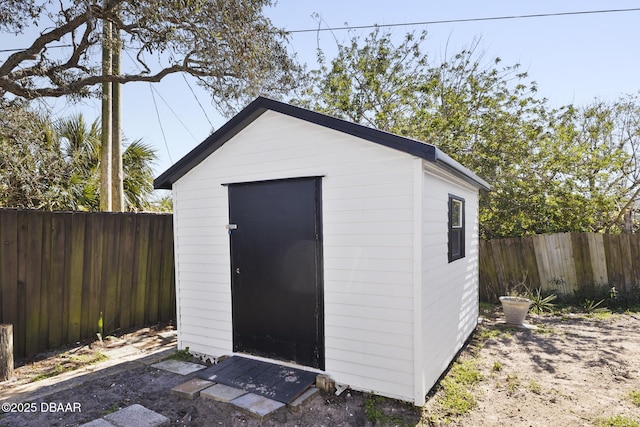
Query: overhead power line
24, 48
155, 104
454, 21
197, 100
442, 21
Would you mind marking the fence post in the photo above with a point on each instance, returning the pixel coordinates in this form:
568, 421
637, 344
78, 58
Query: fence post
6, 352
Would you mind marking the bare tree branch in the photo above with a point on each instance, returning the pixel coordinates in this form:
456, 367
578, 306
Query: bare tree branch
229, 45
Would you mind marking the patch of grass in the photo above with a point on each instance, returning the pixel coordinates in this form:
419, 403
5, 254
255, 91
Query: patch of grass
371, 410
497, 367
601, 314
486, 334
634, 396
513, 382
534, 387
485, 308
111, 409
71, 363
457, 397
617, 421
182, 355
376, 415
544, 330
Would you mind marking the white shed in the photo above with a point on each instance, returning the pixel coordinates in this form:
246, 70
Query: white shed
304, 238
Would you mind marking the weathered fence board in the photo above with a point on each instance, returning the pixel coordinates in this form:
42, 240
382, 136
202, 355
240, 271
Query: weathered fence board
598, 258
9, 270
126, 271
562, 262
582, 258
76, 260
635, 255
59, 271
31, 254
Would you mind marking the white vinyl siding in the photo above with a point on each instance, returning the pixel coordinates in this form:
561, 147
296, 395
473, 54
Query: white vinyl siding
367, 214
450, 290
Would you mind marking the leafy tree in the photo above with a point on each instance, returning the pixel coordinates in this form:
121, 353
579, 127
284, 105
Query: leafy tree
162, 204
55, 166
79, 146
32, 173
601, 144
138, 174
229, 45
375, 84
551, 170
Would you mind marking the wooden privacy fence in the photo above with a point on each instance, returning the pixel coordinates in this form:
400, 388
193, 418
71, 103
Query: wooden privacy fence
562, 262
60, 272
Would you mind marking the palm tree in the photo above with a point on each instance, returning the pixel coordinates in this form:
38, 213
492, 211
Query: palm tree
32, 173
80, 146
138, 175
55, 166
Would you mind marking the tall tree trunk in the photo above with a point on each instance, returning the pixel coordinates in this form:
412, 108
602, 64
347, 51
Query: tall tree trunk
105, 149
117, 174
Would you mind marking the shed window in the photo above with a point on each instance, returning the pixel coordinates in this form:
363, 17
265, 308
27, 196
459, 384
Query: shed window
456, 228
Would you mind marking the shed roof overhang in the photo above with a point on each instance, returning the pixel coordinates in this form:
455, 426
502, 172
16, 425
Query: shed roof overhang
256, 108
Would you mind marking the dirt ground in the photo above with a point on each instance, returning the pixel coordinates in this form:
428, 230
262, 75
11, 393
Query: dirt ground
572, 371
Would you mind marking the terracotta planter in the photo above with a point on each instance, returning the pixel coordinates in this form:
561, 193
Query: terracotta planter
515, 309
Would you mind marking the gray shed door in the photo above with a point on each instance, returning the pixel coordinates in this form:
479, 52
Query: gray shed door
276, 285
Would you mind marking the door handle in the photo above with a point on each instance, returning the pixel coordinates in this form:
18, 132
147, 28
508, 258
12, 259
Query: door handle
238, 270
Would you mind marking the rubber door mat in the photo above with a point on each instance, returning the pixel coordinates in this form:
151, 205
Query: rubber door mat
277, 382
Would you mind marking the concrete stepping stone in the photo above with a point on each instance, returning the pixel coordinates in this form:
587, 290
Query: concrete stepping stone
98, 423
191, 389
222, 393
136, 416
256, 405
169, 335
178, 366
308, 394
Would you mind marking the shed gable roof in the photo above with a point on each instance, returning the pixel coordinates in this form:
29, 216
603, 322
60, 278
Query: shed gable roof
256, 108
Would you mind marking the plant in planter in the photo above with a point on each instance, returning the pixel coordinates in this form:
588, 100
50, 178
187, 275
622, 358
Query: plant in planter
515, 309
516, 303
541, 303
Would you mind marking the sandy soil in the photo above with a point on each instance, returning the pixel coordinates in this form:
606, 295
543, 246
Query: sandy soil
571, 371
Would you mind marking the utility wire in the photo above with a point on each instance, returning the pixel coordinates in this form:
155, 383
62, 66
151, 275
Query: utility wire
443, 21
197, 100
174, 113
164, 100
454, 21
155, 104
152, 88
24, 48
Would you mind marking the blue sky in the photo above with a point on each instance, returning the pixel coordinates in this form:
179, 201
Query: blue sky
574, 59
